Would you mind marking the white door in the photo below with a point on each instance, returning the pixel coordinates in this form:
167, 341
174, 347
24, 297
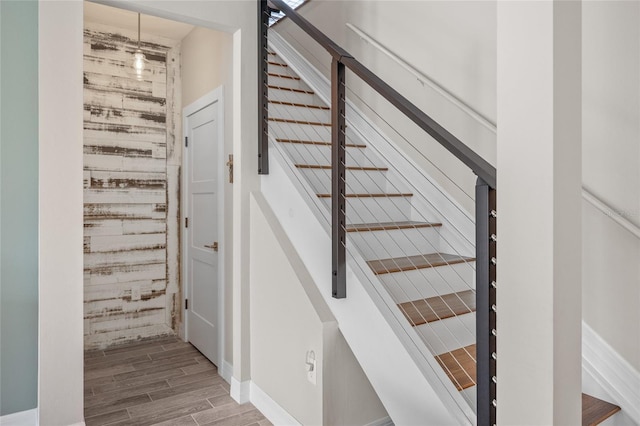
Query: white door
201, 254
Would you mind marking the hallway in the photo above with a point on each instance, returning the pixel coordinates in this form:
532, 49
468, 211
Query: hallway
163, 381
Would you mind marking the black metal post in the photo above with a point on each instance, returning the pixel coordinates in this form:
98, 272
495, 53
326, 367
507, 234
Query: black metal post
486, 303
263, 94
338, 177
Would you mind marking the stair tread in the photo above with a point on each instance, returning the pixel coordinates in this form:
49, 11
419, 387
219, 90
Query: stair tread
460, 366
380, 195
389, 226
295, 104
437, 308
595, 411
289, 120
277, 63
363, 168
299, 141
290, 77
291, 89
418, 261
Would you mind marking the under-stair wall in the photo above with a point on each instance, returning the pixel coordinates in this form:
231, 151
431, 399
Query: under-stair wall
289, 319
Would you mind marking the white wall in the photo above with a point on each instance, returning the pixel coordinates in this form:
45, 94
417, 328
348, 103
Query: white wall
207, 59
452, 43
60, 384
611, 170
288, 318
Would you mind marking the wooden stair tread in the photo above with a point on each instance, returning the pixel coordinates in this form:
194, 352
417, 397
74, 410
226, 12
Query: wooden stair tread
288, 120
460, 366
362, 168
294, 104
437, 308
419, 261
308, 92
595, 411
299, 141
277, 63
389, 226
369, 195
290, 77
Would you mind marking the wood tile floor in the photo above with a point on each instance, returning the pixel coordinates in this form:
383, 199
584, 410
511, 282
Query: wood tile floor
162, 381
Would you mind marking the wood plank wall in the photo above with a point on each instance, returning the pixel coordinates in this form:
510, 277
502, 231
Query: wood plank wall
126, 140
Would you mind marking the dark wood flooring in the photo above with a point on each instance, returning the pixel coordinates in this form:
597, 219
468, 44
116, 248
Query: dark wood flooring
162, 381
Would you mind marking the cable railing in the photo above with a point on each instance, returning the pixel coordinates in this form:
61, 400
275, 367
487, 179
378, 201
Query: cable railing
404, 247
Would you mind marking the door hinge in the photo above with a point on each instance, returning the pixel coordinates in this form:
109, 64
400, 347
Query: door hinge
186, 222
186, 303
186, 141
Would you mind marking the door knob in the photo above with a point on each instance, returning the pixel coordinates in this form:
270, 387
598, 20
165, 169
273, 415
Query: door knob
213, 246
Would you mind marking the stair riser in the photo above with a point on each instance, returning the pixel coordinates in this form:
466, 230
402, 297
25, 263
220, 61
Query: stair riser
429, 282
396, 243
318, 154
300, 113
449, 334
289, 96
358, 181
287, 82
384, 209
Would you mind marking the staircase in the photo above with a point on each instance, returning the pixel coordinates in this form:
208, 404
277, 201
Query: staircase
426, 271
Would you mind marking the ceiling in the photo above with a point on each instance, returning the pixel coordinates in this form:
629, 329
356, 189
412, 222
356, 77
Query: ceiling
128, 20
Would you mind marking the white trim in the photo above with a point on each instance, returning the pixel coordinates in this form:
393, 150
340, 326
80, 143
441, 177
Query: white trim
240, 391
271, 409
21, 418
613, 214
216, 95
385, 421
226, 371
464, 107
612, 372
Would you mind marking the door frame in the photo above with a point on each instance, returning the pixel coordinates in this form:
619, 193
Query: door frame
216, 95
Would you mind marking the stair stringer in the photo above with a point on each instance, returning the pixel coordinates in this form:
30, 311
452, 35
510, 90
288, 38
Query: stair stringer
460, 229
408, 380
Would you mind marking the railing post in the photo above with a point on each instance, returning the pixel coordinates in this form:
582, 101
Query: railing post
338, 177
263, 94
485, 303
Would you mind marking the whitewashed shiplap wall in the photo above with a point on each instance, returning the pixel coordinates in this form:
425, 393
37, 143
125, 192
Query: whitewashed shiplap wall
131, 289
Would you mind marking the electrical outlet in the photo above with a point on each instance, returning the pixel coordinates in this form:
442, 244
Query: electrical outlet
135, 292
311, 367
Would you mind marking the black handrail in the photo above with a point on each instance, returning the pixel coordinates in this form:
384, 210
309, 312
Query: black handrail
470, 158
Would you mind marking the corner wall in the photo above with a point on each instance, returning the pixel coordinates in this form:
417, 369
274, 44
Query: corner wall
18, 206
611, 170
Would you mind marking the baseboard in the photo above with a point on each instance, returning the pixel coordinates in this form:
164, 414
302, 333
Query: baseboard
22, 418
226, 371
612, 372
271, 409
385, 421
240, 391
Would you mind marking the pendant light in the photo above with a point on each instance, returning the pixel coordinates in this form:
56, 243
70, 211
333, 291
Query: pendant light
138, 57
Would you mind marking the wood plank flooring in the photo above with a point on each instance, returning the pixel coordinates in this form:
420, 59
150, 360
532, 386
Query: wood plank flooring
162, 381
